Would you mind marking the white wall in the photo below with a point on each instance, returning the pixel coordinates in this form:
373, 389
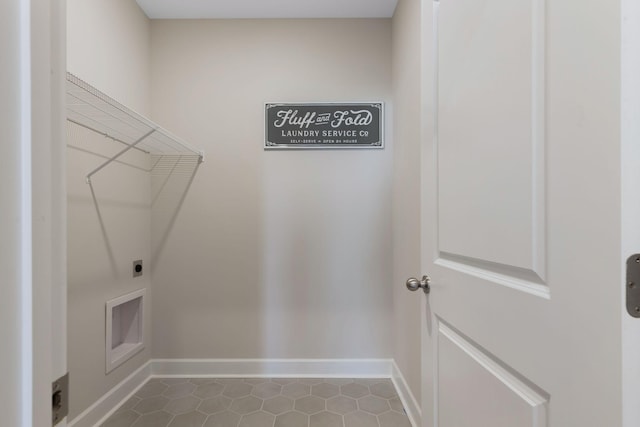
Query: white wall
406, 189
272, 254
108, 46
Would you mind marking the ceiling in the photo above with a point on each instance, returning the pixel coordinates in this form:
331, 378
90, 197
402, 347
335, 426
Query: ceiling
227, 9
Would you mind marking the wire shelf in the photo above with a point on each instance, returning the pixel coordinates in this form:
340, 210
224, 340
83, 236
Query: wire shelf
94, 110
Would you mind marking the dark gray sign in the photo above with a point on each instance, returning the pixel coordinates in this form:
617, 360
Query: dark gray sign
324, 125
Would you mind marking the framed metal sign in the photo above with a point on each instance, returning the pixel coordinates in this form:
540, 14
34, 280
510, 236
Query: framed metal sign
324, 125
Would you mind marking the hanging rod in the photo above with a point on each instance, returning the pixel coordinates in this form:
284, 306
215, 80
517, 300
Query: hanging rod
96, 111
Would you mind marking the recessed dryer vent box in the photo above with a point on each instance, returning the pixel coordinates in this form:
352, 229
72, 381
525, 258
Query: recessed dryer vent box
125, 326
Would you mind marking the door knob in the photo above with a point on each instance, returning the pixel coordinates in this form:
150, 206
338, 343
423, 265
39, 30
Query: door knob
414, 284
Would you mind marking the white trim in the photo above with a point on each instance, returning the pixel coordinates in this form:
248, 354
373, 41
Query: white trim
510, 281
26, 237
630, 203
115, 357
538, 139
102, 409
294, 368
409, 402
530, 396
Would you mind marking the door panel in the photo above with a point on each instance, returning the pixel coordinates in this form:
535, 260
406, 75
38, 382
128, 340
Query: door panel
477, 390
490, 213
490, 125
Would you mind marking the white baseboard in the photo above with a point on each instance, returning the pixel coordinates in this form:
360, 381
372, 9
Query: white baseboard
97, 413
411, 405
249, 368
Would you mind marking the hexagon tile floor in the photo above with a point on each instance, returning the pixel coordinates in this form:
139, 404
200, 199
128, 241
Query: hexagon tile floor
286, 402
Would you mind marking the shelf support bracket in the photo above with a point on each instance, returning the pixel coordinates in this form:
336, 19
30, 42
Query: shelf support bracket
124, 150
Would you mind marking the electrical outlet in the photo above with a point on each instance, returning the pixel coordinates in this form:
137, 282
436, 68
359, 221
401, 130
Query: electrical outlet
137, 268
59, 399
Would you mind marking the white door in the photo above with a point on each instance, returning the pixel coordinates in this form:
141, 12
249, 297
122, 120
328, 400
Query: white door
522, 214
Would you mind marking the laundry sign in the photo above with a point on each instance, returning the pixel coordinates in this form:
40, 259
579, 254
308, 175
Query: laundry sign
324, 125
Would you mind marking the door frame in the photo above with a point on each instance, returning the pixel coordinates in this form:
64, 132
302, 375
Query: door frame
49, 200
34, 192
630, 199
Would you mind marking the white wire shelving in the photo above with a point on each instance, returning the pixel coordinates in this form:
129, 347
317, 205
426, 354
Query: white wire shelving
94, 110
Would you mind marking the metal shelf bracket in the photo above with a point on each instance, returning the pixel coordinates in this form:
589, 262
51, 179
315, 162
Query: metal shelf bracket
127, 148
